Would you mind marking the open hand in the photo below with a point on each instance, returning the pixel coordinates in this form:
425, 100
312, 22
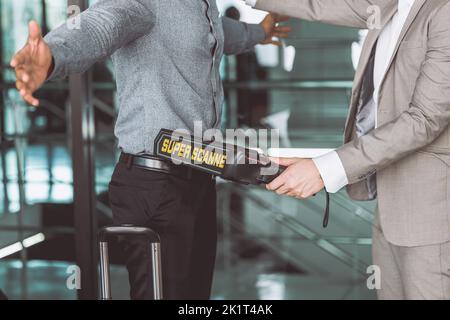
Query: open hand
273, 30
300, 180
32, 64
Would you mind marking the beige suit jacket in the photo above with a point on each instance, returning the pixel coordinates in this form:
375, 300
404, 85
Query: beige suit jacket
410, 149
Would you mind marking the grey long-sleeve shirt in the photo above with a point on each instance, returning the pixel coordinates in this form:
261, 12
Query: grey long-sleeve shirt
166, 55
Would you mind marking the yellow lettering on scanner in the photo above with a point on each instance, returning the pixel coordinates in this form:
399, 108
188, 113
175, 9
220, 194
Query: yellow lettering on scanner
165, 145
197, 154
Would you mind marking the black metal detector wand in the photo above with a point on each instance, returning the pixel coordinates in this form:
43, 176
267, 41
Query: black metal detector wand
225, 160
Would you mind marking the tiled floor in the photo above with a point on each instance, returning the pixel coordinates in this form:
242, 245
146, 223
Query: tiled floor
245, 280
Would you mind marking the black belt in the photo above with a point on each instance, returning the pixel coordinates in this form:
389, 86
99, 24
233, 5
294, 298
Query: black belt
151, 163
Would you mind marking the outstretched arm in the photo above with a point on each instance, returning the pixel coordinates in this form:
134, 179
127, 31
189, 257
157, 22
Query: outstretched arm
350, 13
240, 36
104, 27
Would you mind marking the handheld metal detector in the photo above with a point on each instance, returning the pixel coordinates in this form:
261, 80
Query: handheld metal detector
225, 160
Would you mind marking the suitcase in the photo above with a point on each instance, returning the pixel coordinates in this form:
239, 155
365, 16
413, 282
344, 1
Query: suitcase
129, 231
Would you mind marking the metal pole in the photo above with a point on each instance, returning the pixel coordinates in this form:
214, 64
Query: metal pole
156, 269
20, 161
3, 141
82, 147
105, 278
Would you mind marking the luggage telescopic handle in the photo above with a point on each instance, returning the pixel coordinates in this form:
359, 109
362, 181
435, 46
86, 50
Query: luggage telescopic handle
129, 231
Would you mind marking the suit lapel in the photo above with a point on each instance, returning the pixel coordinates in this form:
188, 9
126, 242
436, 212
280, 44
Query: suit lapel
370, 42
373, 35
367, 50
418, 4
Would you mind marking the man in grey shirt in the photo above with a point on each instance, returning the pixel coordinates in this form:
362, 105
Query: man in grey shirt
166, 54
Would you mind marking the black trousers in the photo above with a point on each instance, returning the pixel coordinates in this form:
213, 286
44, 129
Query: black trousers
183, 212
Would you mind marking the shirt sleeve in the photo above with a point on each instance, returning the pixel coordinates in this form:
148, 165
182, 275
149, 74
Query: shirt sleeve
332, 171
349, 13
240, 37
105, 27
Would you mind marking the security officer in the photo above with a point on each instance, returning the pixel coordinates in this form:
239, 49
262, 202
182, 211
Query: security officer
166, 55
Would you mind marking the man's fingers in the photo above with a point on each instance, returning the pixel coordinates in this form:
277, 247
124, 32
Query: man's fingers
277, 183
19, 85
14, 62
34, 36
26, 92
282, 191
26, 84
280, 18
285, 29
25, 77
22, 75
24, 81
274, 185
21, 62
28, 97
34, 32
287, 187
297, 188
286, 161
19, 58
281, 35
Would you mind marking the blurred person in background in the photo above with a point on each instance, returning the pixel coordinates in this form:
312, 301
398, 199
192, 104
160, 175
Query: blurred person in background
252, 104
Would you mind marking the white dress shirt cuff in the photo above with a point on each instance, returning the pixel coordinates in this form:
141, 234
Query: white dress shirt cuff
332, 171
251, 3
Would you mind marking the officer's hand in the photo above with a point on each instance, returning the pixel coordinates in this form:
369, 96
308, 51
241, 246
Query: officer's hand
300, 180
273, 30
32, 64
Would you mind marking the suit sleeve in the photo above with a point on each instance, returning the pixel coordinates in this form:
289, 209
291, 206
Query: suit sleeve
427, 117
240, 36
104, 27
349, 13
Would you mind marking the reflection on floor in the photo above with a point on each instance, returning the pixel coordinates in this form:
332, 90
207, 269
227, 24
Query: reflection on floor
264, 277
246, 268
